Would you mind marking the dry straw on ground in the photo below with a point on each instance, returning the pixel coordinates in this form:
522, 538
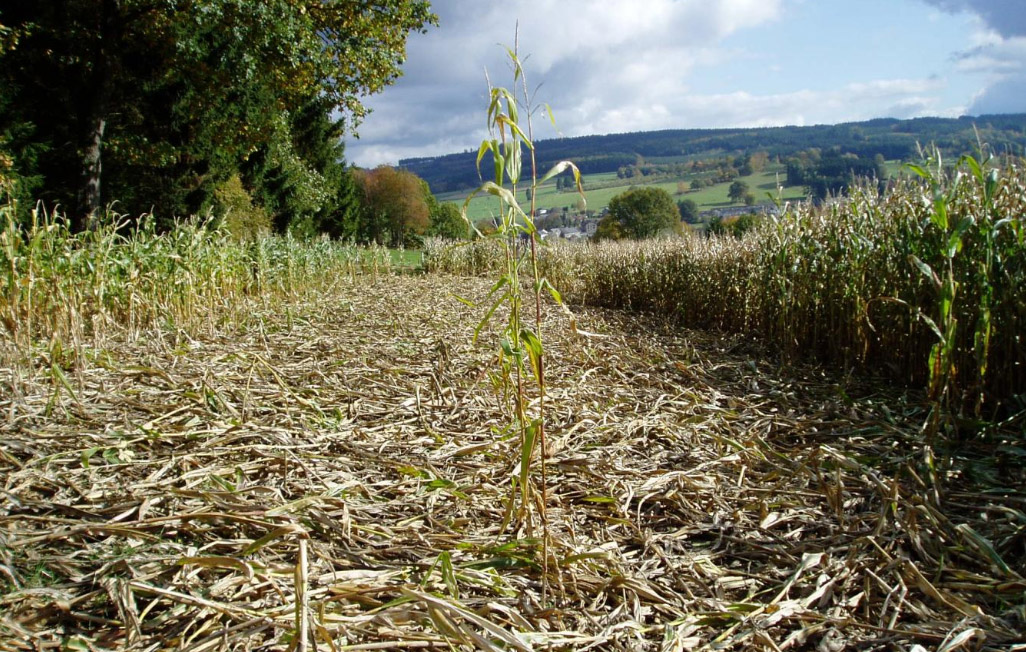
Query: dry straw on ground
336, 480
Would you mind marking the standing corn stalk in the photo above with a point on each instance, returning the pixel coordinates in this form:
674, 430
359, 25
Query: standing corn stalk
521, 352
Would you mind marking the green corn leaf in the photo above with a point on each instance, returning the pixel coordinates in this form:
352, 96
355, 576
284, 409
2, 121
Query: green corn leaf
87, 455
556, 170
533, 346
939, 217
486, 146
932, 324
507, 346
984, 546
514, 162
973, 166
927, 271
530, 433
499, 164
556, 296
58, 373
990, 187
919, 170
449, 574
552, 116
488, 316
515, 129
504, 194
441, 483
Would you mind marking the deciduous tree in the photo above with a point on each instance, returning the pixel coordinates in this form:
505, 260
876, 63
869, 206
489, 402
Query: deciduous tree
609, 229
155, 102
645, 212
737, 191
688, 210
395, 206
447, 222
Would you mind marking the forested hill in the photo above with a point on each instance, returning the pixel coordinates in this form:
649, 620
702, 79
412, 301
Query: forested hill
892, 138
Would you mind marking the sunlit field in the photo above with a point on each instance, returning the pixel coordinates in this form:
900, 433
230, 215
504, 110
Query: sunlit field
763, 185
212, 444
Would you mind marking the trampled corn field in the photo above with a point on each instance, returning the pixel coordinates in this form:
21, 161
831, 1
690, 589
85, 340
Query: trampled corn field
272, 446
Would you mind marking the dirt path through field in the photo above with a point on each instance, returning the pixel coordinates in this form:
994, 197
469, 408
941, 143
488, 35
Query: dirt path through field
348, 453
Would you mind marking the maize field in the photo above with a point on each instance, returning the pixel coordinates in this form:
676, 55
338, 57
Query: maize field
860, 285
280, 445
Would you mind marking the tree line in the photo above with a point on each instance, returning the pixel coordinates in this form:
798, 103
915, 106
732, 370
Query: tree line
893, 139
830, 173
186, 107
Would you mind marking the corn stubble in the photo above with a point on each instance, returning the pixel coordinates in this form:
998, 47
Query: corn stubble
322, 467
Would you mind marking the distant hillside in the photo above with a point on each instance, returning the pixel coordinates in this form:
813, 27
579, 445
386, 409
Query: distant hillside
891, 138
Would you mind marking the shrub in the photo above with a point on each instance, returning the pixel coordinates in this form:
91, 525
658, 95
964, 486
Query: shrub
234, 209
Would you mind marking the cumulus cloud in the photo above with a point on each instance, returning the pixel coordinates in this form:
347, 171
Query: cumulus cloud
1006, 17
1004, 96
999, 54
621, 65
605, 66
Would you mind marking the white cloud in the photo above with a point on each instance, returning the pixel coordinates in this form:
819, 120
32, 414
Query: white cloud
1003, 96
623, 65
606, 66
998, 53
901, 98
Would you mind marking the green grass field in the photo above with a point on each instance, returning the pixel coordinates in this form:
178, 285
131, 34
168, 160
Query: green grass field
406, 258
485, 206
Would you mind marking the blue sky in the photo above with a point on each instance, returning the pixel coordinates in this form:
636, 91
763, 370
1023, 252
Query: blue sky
631, 65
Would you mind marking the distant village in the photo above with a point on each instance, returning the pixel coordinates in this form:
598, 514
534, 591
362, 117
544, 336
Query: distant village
557, 225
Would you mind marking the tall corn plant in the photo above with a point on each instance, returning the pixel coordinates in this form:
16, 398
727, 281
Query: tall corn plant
945, 323
521, 354
971, 232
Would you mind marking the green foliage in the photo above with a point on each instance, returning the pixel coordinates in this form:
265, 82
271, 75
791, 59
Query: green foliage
736, 226
395, 210
613, 153
447, 222
234, 210
645, 212
716, 226
299, 176
831, 173
743, 224
737, 191
609, 229
318, 155
155, 104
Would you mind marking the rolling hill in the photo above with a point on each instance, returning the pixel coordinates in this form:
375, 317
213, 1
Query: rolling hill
891, 138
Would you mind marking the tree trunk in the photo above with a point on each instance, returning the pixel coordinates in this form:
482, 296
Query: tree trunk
99, 108
92, 164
